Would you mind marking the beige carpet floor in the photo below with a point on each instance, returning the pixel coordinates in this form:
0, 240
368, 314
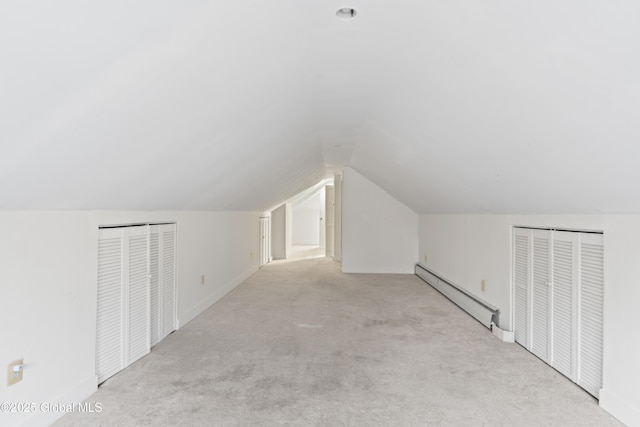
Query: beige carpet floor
300, 344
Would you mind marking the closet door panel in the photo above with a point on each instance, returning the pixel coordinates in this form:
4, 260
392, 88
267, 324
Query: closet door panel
168, 258
540, 294
591, 303
109, 323
154, 285
563, 311
521, 271
138, 293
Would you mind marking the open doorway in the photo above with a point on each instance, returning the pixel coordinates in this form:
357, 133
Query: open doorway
299, 227
308, 234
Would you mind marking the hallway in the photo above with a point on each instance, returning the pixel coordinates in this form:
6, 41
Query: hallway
300, 343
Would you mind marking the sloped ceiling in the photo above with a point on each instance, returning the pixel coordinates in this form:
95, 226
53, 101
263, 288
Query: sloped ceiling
450, 106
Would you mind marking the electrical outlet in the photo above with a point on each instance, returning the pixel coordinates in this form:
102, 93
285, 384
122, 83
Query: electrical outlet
14, 372
251, 254
202, 280
425, 259
484, 287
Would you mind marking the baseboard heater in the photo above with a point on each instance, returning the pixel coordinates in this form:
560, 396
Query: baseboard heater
480, 310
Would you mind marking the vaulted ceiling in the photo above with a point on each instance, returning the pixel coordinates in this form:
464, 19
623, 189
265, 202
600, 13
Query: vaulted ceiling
451, 106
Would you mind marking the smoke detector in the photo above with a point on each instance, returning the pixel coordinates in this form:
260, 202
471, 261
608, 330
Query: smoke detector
346, 14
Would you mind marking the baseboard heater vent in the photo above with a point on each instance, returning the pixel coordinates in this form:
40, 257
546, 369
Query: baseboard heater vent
482, 311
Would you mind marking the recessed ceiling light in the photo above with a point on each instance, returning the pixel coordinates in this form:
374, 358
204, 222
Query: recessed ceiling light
346, 14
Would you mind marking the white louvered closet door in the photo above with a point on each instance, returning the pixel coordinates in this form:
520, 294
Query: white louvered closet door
540, 295
591, 306
154, 285
563, 309
168, 256
521, 259
137, 289
122, 326
163, 281
136, 293
109, 324
559, 301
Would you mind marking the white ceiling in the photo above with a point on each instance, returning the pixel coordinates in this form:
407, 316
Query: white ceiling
451, 106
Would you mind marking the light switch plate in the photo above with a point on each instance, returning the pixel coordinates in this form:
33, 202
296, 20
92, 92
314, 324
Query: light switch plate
13, 377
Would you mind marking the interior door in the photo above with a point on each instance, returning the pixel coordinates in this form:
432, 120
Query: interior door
265, 243
329, 219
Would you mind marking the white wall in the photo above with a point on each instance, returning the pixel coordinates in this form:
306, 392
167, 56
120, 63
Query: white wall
469, 248
305, 230
621, 394
306, 220
288, 235
48, 286
379, 234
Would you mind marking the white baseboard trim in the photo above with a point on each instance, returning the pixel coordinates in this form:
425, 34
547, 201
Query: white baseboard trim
214, 297
66, 402
366, 269
620, 409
